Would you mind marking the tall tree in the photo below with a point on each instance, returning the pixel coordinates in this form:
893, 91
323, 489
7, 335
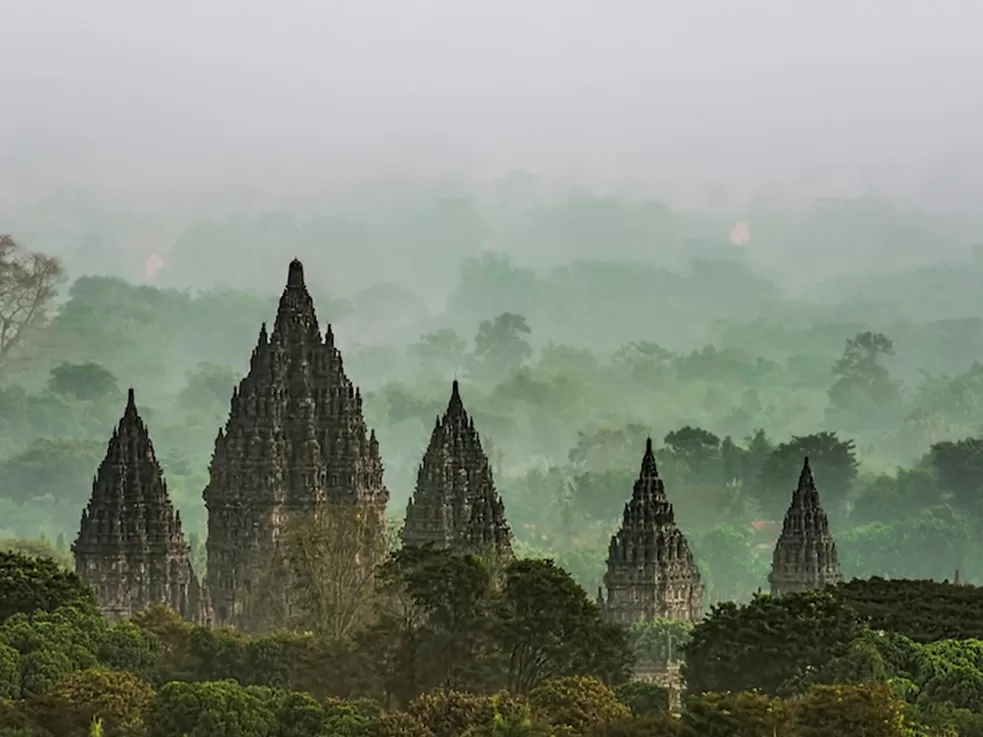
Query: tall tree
434, 623
500, 346
834, 462
959, 468
701, 452
440, 353
768, 642
548, 628
28, 284
863, 390
321, 576
88, 382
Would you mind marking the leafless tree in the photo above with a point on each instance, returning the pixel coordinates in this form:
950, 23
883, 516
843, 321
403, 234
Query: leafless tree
28, 284
322, 576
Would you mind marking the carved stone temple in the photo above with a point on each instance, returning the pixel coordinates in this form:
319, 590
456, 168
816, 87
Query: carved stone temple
295, 438
805, 555
455, 504
650, 570
130, 548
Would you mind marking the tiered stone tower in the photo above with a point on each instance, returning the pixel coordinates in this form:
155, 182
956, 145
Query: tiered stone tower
455, 504
130, 547
651, 574
295, 438
805, 555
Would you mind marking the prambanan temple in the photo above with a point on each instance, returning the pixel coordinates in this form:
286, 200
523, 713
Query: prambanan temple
455, 504
130, 547
805, 556
651, 574
296, 439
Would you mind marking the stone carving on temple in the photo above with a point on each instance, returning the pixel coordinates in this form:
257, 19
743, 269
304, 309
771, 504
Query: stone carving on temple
455, 504
650, 569
130, 547
805, 556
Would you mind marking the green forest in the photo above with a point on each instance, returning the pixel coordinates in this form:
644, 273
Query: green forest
566, 369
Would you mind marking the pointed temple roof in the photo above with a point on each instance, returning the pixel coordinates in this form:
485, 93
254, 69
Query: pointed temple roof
296, 418
129, 494
650, 569
805, 555
130, 546
295, 438
455, 503
648, 531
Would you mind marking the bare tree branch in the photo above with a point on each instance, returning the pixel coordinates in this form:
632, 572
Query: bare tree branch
28, 284
322, 578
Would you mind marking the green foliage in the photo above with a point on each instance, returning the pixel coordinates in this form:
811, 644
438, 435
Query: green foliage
767, 642
340, 717
731, 564
834, 464
834, 711
959, 467
742, 714
651, 726
87, 382
59, 470
576, 703
643, 698
211, 709
9, 672
500, 347
397, 724
659, 642
452, 713
943, 535
548, 629
41, 548
564, 424
863, 390
42, 669
28, 584
208, 387
115, 699
924, 611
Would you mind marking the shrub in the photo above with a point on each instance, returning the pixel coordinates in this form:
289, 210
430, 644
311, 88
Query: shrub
576, 702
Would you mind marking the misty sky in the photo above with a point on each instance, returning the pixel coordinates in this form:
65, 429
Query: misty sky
790, 88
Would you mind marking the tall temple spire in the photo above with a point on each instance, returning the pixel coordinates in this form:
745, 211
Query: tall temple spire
295, 438
650, 569
455, 504
649, 469
130, 547
805, 555
295, 275
296, 321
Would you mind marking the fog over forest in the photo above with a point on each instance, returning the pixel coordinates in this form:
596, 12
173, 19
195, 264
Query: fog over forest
760, 223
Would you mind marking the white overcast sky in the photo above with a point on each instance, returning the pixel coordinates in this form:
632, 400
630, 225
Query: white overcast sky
712, 86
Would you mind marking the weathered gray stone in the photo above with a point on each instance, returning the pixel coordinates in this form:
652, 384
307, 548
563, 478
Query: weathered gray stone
805, 556
130, 547
455, 504
651, 574
295, 438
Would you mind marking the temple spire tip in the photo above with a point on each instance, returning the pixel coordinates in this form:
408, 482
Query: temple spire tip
295, 275
649, 467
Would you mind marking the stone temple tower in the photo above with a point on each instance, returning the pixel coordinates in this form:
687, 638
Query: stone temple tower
295, 438
805, 555
130, 547
455, 504
651, 574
